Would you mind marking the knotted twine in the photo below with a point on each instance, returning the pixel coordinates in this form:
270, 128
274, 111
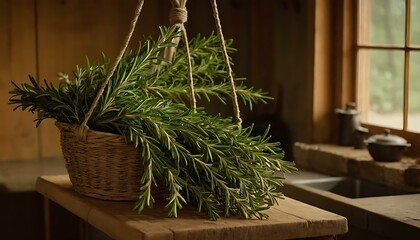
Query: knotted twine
178, 15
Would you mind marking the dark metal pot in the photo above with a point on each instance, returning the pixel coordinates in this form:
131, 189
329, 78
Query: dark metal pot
386, 147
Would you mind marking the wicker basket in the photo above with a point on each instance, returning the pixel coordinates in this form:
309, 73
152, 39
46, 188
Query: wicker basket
104, 166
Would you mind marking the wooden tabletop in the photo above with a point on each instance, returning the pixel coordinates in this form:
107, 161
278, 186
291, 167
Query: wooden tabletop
290, 219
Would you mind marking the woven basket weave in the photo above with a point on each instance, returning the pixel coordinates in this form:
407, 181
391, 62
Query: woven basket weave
103, 166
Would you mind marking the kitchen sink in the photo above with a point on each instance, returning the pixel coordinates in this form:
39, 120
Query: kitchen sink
373, 210
350, 187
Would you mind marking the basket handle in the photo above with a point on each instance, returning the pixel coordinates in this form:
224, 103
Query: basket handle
83, 128
177, 16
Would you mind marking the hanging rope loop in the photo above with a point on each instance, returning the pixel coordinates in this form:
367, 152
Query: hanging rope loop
178, 15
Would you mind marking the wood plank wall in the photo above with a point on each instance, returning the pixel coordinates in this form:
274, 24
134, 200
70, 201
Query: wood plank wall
44, 37
18, 136
68, 31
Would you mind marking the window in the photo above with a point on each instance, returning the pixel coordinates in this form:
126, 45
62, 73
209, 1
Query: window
377, 64
388, 64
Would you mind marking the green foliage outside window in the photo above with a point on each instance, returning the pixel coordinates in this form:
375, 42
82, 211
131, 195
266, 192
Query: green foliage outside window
387, 27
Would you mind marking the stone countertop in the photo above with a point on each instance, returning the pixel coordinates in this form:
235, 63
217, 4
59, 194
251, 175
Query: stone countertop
382, 215
397, 217
402, 209
336, 160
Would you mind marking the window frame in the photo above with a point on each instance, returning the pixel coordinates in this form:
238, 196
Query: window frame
346, 68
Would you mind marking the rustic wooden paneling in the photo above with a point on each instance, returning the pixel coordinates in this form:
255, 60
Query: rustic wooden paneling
45, 37
18, 135
68, 31
322, 102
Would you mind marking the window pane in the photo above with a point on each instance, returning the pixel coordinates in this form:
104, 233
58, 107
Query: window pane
415, 23
414, 93
382, 75
382, 22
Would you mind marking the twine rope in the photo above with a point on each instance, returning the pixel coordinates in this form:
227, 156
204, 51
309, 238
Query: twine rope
178, 15
236, 110
83, 128
193, 101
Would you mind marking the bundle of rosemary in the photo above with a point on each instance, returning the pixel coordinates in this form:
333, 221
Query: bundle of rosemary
200, 159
